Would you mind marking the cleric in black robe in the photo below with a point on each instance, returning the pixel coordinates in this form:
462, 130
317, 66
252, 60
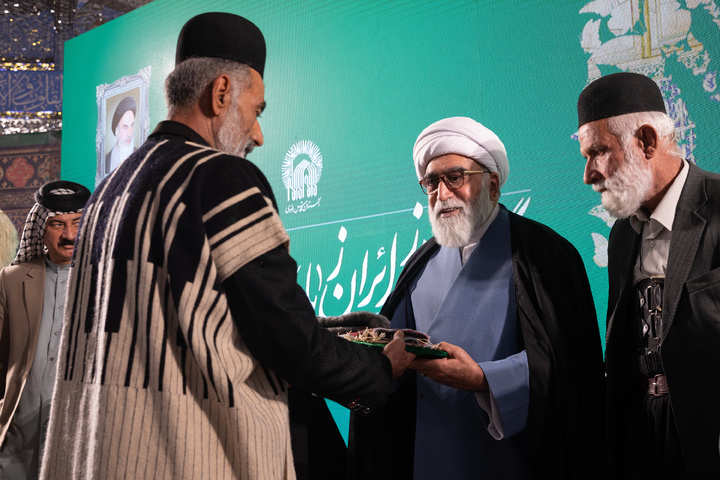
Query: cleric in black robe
511, 302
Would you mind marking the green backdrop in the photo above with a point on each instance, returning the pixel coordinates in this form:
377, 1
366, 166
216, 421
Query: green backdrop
350, 85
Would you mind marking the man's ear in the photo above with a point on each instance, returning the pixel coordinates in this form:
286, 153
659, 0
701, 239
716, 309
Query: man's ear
220, 94
494, 186
648, 137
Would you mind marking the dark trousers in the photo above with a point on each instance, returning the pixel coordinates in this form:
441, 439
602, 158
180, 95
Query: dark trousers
652, 444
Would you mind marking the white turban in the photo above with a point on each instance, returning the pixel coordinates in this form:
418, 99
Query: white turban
461, 136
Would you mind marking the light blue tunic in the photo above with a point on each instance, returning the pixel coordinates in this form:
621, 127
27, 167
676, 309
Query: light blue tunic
472, 306
25, 441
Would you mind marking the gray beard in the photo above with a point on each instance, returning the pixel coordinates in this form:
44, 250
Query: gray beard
226, 138
457, 231
628, 187
125, 149
119, 154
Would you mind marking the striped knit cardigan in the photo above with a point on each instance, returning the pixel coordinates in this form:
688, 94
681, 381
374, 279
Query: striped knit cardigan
183, 315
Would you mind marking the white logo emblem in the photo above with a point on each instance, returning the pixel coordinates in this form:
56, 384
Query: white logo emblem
301, 172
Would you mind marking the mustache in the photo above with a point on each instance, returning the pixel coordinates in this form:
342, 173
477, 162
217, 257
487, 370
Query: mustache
249, 147
63, 243
441, 205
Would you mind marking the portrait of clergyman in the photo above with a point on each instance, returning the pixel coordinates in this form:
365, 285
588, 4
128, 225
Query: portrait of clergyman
123, 121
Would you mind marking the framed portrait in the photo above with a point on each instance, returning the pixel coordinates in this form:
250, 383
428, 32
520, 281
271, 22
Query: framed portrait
123, 120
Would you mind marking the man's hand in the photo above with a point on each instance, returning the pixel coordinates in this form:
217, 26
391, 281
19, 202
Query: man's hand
458, 370
395, 351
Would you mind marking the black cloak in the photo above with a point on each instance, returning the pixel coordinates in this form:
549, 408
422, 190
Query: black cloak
567, 387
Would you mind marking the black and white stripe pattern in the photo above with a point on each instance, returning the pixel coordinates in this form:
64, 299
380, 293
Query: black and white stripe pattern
155, 380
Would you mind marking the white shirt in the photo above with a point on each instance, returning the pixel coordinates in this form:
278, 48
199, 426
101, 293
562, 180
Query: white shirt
656, 231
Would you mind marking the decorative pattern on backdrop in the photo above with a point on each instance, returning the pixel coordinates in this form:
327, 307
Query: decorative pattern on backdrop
22, 171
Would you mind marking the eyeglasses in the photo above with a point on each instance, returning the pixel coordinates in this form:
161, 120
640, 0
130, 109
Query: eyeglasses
452, 180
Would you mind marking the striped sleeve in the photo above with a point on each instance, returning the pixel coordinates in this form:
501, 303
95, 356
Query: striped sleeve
256, 229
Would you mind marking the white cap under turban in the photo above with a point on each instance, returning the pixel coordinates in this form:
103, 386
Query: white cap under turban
461, 136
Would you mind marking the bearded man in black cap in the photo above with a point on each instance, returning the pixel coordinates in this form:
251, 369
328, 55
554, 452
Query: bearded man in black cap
184, 317
123, 127
663, 326
32, 297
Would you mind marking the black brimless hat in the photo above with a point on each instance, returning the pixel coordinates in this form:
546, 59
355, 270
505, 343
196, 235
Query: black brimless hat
222, 35
62, 196
618, 94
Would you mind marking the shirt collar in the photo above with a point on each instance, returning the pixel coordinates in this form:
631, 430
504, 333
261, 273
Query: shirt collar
664, 213
55, 267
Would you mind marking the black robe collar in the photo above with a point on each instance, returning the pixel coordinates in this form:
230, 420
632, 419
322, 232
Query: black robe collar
169, 129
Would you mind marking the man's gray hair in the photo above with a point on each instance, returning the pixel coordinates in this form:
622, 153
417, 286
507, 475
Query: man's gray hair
185, 84
625, 127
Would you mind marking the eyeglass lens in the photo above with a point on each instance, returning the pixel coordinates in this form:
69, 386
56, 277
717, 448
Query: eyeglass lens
453, 180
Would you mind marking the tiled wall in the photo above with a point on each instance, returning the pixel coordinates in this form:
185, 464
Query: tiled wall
23, 169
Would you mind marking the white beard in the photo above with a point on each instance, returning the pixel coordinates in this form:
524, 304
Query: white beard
457, 231
628, 187
125, 149
120, 153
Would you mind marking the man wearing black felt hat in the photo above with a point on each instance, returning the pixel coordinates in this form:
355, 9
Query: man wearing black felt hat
663, 325
185, 324
32, 296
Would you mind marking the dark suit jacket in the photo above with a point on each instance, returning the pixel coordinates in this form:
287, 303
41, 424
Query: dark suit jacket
691, 347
